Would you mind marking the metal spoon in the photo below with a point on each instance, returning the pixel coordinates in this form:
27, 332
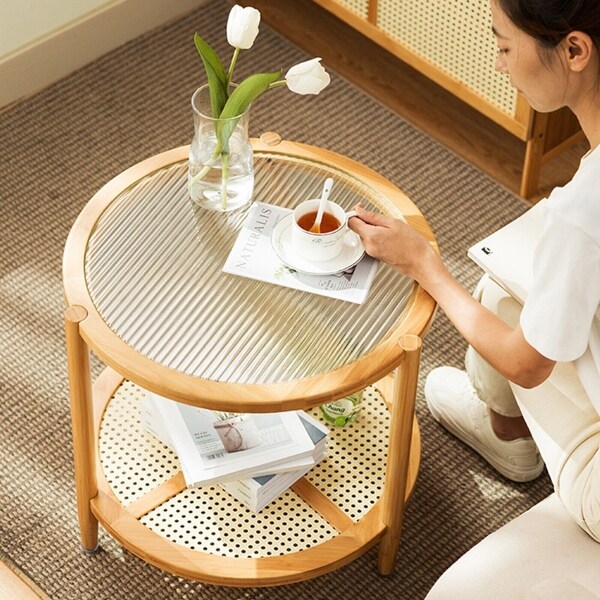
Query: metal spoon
316, 227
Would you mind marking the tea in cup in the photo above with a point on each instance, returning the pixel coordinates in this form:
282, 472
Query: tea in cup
329, 242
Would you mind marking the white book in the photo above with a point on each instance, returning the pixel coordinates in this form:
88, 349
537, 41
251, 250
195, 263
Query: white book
152, 422
203, 458
507, 254
254, 492
257, 492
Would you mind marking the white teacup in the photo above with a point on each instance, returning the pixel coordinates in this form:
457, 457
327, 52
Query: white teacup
319, 247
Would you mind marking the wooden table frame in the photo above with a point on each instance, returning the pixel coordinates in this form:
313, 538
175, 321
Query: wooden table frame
399, 352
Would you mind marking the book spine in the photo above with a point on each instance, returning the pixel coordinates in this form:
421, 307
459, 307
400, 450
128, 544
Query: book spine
152, 422
241, 493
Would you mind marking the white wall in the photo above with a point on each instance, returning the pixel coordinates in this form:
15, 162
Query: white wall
25, 22
42, 41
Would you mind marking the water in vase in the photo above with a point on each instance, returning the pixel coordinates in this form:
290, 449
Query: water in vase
206, 183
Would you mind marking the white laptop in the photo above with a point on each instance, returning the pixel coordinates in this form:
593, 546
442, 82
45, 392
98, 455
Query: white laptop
507, 254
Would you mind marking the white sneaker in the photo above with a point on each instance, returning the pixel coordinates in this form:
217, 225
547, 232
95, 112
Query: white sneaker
454, 403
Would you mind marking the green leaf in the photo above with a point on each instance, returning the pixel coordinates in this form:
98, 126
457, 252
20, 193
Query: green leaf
215, 73
246, 92
240, 100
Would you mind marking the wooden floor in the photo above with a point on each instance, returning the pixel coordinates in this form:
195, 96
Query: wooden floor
404, 90
13, 587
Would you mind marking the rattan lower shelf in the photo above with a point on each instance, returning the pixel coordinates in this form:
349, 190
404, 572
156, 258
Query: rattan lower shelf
324, 521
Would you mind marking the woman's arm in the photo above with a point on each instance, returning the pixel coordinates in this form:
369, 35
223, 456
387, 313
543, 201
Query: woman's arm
506, 349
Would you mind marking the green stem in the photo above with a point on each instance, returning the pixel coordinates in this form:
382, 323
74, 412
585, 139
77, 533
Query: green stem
224, 177
206, 168
232, 65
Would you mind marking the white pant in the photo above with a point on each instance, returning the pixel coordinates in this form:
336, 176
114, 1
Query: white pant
560, 416
540, 555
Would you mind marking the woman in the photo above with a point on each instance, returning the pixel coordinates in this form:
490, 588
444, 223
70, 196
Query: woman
533, 372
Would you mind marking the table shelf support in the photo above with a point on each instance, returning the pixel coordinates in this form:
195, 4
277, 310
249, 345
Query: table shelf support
80, 385
401, 426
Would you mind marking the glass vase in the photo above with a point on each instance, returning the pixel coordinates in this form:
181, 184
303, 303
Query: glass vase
220, 167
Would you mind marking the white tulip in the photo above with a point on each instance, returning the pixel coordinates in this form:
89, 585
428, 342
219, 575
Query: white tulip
242, 26
308, 77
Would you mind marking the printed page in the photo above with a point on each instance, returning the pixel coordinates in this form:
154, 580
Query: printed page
253, 256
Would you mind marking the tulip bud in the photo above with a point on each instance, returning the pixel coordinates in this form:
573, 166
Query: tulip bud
307, 77
242, 26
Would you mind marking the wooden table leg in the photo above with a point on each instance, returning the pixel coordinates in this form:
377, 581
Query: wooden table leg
82, 423
401, 426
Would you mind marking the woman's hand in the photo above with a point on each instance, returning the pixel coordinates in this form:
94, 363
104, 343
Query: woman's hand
506, 349
393, 242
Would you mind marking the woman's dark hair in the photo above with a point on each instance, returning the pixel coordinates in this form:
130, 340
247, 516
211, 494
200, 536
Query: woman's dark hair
549, 21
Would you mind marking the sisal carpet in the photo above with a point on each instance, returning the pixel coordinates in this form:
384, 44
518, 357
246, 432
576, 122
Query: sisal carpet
56, 149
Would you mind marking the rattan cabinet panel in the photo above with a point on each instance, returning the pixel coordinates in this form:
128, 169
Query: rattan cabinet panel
360, 7
451, 43
456, 37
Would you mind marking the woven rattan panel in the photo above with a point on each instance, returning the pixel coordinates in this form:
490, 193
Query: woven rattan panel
456, 37
360, 7
208, 519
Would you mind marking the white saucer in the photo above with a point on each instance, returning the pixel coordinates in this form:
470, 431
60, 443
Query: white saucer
281, 239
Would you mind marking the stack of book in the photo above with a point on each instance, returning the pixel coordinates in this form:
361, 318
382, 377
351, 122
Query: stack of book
291, 443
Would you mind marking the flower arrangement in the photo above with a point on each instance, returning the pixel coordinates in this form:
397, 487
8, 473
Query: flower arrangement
228, 101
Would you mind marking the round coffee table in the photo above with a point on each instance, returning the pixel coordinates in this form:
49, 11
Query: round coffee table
146, 293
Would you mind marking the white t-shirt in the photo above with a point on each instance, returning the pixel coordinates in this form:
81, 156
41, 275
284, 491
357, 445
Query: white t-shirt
561, 315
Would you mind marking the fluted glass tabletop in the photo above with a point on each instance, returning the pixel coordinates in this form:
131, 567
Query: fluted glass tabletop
153, 269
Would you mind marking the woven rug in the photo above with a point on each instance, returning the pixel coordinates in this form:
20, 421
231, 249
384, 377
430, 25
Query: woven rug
56, 149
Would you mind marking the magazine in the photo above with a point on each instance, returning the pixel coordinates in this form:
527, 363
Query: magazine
507, 254
152, 422
253, 256
283, 443
257, 492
